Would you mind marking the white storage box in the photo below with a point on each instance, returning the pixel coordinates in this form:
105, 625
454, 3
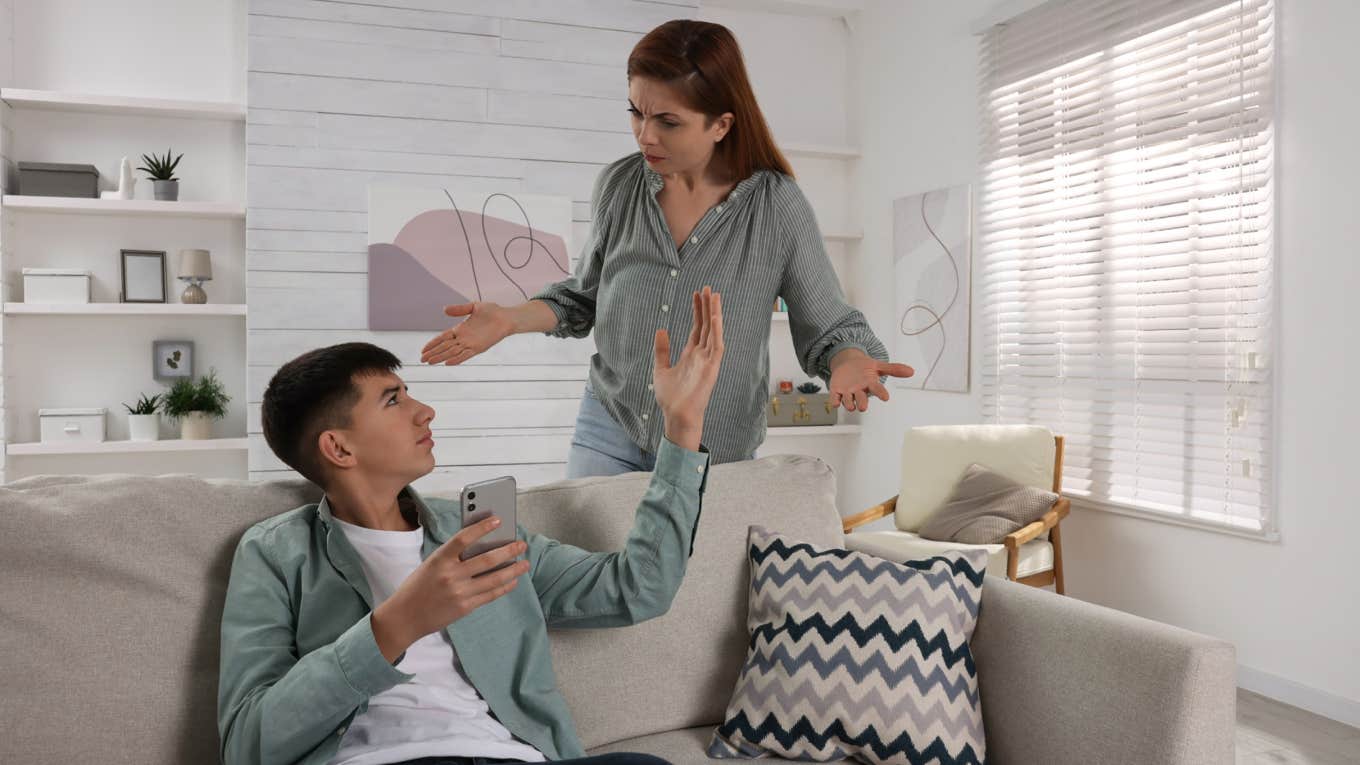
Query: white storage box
56, 285
72, 425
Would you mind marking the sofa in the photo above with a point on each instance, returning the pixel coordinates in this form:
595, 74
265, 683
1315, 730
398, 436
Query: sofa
111, 589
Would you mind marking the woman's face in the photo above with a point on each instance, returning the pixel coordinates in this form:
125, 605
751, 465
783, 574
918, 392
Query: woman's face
672, 137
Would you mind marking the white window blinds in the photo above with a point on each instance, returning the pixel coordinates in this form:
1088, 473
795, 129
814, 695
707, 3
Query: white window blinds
1125, 230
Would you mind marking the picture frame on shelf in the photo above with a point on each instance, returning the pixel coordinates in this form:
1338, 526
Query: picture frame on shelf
172, 360
143, 274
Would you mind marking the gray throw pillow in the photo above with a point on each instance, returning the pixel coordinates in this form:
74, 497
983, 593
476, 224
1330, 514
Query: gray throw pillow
985, 507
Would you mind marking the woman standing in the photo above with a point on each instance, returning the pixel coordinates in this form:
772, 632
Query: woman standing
708, 201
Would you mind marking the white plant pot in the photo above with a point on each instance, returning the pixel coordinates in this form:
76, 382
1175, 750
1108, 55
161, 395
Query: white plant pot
195, 426
144, 427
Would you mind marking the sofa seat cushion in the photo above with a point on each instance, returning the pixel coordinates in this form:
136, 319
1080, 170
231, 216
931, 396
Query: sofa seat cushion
1036, 555
679, 747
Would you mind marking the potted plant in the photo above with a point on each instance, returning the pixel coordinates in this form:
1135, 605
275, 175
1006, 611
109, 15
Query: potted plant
143, 422
196, 405
161, 170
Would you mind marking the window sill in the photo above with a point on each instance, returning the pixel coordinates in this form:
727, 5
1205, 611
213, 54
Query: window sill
1268, 535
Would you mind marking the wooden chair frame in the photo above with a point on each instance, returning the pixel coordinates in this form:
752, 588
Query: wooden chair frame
1048, 523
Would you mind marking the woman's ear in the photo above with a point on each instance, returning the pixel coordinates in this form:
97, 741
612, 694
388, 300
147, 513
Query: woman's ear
723, 125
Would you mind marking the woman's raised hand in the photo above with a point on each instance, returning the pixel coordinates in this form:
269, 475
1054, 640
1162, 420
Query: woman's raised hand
486, 324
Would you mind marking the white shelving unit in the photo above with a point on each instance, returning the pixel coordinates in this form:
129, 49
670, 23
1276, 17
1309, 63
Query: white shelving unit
132, 207
130, 447
130, 116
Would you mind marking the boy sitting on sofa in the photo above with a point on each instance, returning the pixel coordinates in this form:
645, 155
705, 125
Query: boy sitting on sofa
354, 633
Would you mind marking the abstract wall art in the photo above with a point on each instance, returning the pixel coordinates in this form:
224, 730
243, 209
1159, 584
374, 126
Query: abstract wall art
932, 254
430, 247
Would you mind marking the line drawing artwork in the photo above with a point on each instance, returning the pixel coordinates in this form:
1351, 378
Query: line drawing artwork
427, 249
932, 270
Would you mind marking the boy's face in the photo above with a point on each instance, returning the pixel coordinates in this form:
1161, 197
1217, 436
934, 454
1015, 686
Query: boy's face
389, 436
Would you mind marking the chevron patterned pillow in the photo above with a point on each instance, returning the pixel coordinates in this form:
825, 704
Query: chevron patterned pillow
853, 655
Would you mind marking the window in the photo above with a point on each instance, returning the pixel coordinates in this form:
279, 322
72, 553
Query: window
1125, 224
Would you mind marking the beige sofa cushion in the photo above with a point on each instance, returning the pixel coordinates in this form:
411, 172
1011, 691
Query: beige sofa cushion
679, 670
934, 457
111, 591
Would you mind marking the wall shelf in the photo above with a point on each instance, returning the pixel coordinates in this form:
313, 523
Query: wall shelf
126, 309
53, 100
129, 447
824, 151
815, 430
842, 236
130, 207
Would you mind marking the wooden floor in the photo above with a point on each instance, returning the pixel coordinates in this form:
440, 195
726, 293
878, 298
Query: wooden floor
1271, 732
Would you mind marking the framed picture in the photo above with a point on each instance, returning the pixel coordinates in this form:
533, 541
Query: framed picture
143, 276
172, 359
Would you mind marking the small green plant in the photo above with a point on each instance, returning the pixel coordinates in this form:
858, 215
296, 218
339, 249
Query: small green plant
207, 395
160, 168
145, 405
809, 387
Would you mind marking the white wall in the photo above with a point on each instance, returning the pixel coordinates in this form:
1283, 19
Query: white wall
1289, 607
88, 47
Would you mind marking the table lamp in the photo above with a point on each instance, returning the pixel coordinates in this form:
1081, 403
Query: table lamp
195, 267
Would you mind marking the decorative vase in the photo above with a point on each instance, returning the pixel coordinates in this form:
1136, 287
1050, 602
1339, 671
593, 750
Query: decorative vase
195, 426
144, 427
166, 191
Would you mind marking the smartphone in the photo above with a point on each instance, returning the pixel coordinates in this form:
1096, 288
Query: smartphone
484, 499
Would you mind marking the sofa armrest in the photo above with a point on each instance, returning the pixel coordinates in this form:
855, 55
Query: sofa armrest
1064, 681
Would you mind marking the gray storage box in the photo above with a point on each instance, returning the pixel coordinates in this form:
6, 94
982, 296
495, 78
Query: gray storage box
798, 409
51, 179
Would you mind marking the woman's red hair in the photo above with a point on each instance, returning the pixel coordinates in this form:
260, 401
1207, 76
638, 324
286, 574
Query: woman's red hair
703, 62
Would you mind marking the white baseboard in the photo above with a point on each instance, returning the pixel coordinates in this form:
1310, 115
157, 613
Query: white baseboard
1299, 695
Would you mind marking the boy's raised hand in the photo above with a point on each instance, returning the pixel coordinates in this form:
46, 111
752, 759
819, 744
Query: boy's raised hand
683, 389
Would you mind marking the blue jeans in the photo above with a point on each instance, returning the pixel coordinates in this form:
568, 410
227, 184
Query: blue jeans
600, 446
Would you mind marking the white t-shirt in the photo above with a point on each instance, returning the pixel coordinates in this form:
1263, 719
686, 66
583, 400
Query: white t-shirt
437, 713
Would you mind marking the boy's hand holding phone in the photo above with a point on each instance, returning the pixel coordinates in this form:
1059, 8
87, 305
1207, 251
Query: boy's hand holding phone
683, 389
444, 588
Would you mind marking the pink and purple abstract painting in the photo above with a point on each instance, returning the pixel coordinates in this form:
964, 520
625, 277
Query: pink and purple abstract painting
430, 248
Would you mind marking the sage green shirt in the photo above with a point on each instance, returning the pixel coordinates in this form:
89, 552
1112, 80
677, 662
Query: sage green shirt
299, 660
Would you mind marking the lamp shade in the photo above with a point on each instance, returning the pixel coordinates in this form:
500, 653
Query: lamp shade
195, 264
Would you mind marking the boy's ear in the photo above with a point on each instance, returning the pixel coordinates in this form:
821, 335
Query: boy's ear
335, 450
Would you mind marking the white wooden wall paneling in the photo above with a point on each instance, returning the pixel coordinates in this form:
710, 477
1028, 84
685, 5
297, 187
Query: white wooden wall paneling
513, 95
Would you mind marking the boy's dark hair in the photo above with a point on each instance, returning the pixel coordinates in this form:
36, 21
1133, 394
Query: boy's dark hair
313, 393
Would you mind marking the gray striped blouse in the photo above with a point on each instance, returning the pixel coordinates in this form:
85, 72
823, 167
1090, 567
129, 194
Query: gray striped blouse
760, 243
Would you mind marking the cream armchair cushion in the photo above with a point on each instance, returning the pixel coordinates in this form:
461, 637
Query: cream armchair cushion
935, 457
1036, 555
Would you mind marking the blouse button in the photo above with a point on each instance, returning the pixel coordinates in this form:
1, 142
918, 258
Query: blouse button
645, 416
674, 273
665, 308
694, 240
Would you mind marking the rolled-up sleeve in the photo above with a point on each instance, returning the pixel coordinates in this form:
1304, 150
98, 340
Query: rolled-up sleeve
572, 300
822, 323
